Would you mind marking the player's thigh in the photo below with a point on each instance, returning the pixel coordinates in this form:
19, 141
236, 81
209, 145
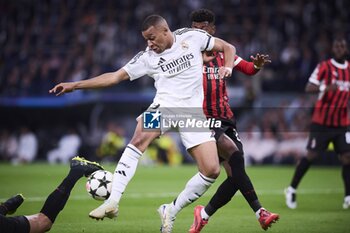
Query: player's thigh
319, 138
228, 143
39, 223
142, 137
205, 154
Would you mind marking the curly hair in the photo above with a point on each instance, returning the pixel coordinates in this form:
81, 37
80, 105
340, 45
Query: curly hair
203, 15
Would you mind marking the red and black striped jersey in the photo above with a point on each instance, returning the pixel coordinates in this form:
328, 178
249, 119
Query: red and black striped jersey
216, 101
331, 107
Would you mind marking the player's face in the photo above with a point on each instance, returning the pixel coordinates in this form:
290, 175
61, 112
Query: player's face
339, 49
156, 38
206, 26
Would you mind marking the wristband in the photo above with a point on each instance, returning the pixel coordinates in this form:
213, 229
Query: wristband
257, 67
322, 88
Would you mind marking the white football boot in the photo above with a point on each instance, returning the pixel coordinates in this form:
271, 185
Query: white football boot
290, 194
346, 204
167, 218
108, 209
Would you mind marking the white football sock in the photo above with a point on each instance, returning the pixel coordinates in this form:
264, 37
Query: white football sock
291, 189
124, 171
195, 188
257, 213
204, 214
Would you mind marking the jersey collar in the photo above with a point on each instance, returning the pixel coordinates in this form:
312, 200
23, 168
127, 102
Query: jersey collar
339, 65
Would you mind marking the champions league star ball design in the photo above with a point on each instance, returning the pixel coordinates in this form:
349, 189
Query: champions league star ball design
99, 185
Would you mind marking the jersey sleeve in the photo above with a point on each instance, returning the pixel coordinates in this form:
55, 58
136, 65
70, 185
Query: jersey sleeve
137, 66
244, 66
204, 39
317, 75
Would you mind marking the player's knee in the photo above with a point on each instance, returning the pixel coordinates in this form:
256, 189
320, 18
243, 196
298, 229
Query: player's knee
311, 155
39, 223
142, 140
212, 172
236, 159
345, 158
45, 222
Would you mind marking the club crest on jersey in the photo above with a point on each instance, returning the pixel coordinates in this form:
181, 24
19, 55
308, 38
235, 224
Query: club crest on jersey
184, 45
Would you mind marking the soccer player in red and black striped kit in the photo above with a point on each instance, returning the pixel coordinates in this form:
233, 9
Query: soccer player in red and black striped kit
230, 147
330, 121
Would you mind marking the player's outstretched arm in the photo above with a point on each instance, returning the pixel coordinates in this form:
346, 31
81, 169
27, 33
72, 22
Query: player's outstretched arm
313, 88
101, 81
253, 67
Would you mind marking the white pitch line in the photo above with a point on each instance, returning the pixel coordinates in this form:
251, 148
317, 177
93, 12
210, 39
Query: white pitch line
174, 194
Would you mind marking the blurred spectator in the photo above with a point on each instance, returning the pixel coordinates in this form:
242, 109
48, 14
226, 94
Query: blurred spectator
258, 145
113, 143
163, 150
68, 147
8, 145
67, 38
27, 146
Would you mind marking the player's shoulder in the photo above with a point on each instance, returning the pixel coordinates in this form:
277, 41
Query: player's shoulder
140, 55
324, 64
189, 31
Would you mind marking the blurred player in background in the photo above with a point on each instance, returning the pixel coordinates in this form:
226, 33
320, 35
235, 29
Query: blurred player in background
174, 60
216, 105
55, 202
330, 121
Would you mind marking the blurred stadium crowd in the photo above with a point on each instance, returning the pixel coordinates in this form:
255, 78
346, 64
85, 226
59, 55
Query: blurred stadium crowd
46, 42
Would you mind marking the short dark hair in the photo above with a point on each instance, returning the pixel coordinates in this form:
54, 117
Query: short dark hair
203, 15
150, 21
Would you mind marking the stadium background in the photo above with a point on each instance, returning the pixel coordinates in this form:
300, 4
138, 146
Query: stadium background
46, 42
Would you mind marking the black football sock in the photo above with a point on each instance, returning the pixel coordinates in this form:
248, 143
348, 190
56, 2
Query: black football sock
300, 171
223, 195
242, 181
346, 178
56, 201
3, 210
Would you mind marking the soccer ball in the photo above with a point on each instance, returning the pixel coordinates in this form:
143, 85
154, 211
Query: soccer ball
99, 184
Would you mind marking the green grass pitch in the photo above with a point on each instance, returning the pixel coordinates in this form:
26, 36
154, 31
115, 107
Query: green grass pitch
320, 200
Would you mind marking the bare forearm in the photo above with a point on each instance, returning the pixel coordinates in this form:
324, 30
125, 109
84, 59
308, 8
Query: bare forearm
229, 53
312, 88
228, 50
101, 81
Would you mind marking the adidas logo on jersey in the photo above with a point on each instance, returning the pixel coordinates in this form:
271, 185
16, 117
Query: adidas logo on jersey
161, 60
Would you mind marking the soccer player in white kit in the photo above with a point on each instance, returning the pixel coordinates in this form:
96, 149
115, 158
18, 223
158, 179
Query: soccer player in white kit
174, 61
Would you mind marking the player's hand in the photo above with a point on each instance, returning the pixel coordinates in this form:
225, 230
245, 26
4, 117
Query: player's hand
62, 88
331, 87
225, 72
260, 60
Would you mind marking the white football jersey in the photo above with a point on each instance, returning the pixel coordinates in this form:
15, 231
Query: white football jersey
177, 71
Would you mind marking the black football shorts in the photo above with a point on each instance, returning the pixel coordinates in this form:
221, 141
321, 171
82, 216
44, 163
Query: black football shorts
320, 136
